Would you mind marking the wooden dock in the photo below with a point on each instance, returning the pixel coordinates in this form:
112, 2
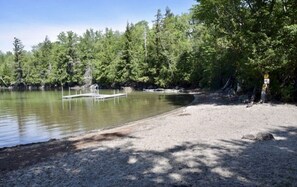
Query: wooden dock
95, 96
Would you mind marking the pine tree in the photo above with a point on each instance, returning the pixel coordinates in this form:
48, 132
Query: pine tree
125, 67
18, 57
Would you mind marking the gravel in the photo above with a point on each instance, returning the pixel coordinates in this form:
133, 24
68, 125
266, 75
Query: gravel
198, 145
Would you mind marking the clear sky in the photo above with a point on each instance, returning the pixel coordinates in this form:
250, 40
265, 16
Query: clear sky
32, 20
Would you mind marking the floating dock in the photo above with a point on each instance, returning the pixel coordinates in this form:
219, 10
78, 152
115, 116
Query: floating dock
94, 95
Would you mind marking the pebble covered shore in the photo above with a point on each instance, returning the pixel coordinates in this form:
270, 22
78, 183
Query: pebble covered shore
198, 145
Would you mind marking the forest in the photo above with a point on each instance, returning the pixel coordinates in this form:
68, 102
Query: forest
217, 41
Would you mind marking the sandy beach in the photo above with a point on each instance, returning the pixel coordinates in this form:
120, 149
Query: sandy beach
197, 145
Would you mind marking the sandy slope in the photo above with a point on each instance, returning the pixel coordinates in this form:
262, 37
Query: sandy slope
193, 146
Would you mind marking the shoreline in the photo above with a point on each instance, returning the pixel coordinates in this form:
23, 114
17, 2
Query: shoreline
199, 144
102, 130
104, 134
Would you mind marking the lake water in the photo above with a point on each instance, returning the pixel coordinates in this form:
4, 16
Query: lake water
37, 116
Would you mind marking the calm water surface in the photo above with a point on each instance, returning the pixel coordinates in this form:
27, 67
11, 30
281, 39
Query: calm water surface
36, 116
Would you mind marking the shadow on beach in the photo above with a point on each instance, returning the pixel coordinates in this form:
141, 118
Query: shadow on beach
227, 163
219, 98
215, 98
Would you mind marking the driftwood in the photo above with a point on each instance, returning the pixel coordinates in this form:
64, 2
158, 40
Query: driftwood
227, 84
228, 89
3, 82
252, 98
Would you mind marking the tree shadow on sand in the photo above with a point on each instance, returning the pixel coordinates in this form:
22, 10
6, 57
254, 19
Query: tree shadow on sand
220, 163
219, 98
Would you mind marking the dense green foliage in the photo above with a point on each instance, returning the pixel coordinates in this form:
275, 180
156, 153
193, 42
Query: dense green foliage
217, 41
248, 38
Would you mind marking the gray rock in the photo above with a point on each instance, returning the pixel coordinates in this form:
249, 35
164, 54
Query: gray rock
264, 136
249, 137
259, 136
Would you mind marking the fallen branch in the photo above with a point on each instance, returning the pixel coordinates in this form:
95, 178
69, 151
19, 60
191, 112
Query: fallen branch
252, 98
3, 82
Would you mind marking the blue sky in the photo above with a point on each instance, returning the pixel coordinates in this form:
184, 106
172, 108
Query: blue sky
32, 20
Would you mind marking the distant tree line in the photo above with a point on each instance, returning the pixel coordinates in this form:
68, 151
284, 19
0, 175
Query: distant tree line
217, 41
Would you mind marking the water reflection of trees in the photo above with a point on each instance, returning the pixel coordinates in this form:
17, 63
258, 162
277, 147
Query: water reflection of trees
64, 117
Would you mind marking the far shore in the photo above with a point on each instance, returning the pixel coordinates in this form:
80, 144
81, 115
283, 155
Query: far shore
197, 145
